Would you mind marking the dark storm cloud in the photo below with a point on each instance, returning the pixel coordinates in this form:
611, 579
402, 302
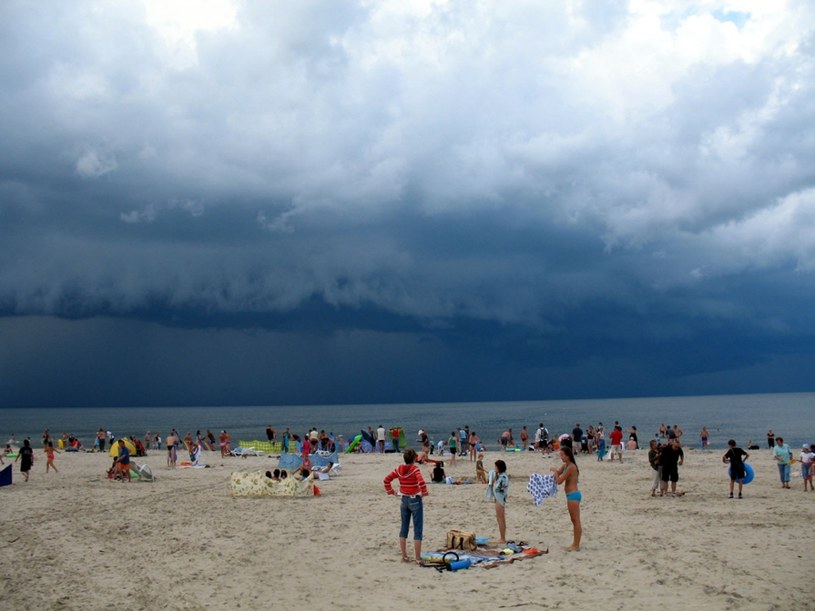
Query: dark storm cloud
507, 201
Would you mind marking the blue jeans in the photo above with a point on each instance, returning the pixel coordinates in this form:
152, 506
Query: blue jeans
784, 472
412, 506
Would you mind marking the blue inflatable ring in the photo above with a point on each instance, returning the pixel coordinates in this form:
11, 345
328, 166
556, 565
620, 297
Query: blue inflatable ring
749, 474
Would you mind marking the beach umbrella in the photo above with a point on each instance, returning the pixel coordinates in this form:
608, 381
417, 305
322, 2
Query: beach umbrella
114, 449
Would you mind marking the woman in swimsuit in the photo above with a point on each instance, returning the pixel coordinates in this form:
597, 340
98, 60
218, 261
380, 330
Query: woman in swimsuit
569, 473
499, 491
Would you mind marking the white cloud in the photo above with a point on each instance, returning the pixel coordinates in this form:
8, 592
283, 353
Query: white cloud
179, 22
774, 235
93, 164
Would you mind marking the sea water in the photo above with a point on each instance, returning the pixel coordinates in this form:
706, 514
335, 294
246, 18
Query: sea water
740, 417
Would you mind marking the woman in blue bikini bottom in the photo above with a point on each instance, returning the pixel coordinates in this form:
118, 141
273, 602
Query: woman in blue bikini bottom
568, 474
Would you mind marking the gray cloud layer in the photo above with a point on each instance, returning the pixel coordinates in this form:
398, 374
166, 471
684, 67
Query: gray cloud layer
514, 197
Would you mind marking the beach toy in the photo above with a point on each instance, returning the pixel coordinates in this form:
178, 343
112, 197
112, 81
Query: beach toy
749, 474
354, 442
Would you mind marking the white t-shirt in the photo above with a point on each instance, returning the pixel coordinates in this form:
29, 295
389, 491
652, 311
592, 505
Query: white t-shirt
380, 434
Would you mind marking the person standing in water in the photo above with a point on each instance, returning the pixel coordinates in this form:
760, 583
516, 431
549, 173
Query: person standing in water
568, 474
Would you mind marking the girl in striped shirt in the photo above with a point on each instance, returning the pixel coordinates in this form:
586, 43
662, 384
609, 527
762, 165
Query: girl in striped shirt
412, 488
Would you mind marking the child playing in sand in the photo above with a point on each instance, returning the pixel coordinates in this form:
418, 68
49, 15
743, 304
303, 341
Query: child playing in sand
49, 453
480, 474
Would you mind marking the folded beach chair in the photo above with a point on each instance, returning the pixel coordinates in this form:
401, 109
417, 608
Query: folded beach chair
144, 472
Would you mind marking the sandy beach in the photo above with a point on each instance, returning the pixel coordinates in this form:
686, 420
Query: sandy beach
77, 540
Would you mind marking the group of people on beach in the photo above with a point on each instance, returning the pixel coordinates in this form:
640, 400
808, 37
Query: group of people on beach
665, 456
412, 489
784, 459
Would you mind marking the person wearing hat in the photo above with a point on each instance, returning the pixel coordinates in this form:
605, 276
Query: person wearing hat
807, 458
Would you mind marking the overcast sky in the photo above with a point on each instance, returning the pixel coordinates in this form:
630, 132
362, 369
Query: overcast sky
251, 202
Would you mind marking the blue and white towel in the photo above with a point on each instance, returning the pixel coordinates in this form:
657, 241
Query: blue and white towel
541, 487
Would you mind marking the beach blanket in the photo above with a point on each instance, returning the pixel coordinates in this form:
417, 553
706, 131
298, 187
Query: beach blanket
482, 557
541, 487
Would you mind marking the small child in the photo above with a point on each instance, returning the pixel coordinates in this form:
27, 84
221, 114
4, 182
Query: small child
807, 458
480, 474
49, 453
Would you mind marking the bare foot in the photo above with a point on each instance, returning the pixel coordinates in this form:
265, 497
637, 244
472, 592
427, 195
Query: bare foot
418, 561
502, 543
405, 559
571, 548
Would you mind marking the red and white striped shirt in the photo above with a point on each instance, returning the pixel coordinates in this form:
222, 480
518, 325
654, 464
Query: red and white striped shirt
410, 478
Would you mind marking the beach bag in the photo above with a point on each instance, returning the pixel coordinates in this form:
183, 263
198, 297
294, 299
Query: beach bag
461, 539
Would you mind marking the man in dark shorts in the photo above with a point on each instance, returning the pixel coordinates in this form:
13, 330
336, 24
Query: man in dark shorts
735, 457
671, 456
